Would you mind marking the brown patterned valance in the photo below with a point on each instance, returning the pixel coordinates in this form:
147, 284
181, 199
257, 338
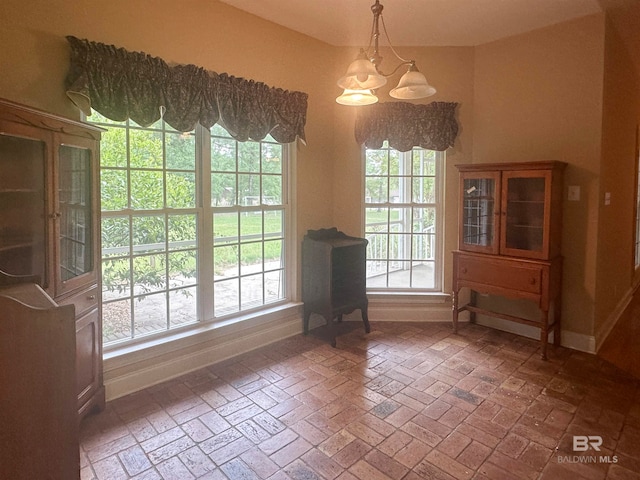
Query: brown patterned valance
407, 125
121, 85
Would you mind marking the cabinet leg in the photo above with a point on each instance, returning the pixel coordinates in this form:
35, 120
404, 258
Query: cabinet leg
365, 319
544, 334
454, 310
305, 322
556, 321
473, 300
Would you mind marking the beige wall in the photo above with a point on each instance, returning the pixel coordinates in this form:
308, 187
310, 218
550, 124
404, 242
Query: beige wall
450, 71
34, 61
621, 116
535, 96
538, 96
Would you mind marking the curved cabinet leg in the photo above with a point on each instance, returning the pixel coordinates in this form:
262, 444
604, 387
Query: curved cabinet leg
365, 319
305, 321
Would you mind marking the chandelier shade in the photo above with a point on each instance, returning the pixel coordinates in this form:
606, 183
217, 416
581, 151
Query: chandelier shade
356, 97
412, 84
364, 76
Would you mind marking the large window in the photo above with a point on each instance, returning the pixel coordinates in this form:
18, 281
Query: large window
193, 227
402, 219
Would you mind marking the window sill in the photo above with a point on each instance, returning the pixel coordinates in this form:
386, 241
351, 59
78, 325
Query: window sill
407, 297
117, 356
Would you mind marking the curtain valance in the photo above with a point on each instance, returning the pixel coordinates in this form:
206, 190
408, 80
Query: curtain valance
121, 84
407, 125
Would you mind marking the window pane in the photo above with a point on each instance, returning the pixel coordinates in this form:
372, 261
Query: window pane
248, 157
226, 262
147, 190
226, 295
148, 234
181, 190
272, 190
271, 158
223, 189
251, 288
249, 190
150, 314
116, 321
225, 228
116, 278
145, 149
183, 306
113, 148
181, 151
149, 274
113, 189
223, 154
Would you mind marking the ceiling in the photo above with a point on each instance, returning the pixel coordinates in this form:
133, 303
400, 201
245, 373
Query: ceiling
417, 22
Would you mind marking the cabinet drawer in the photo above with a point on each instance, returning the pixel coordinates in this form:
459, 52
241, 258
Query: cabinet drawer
501, 274
84, 301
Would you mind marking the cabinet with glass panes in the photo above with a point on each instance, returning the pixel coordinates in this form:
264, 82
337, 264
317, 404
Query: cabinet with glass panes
510, 225
49, 207
510, 209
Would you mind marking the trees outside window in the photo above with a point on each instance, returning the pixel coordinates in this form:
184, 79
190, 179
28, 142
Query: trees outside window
193, 226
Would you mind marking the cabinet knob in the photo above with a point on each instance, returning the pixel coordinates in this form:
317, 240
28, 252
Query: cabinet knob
55, 215
532, 281
463, 270
91, 297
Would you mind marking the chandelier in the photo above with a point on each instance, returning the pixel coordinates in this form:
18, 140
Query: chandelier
364, 76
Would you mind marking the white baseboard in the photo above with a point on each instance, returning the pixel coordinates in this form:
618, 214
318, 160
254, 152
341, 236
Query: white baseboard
573, 340
603, 330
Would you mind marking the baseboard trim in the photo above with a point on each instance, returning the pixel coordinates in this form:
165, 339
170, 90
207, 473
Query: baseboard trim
603, 330
568, 339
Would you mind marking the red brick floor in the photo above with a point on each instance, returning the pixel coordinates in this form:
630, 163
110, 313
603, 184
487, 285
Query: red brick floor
408, 401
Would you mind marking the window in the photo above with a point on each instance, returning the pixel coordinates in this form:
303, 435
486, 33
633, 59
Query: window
403, 219
193, 227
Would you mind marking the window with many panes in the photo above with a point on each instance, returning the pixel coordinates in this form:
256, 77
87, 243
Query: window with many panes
402, 209
193, 227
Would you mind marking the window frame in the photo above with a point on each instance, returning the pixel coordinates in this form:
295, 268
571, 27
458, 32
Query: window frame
203, 210
439, 224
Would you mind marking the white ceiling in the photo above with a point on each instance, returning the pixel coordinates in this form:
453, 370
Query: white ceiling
417, 22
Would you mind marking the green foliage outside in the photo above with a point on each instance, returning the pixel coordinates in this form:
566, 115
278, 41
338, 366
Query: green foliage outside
158, 179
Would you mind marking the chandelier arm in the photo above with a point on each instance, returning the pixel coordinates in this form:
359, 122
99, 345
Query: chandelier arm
404, 63
384, 29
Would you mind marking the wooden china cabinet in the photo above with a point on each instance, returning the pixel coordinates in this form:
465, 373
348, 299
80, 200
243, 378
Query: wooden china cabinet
509, 242
49, 224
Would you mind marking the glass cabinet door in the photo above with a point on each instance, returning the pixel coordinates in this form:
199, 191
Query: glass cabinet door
523, 232
480, 207
22, 206
75, 240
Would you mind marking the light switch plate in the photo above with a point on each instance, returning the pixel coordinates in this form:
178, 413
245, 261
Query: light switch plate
574, 193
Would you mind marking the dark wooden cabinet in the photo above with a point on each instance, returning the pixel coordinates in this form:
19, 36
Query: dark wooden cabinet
49, 223
510, 239
38, 426
333, 278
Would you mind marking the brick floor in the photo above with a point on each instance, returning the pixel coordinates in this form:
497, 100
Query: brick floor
407, 401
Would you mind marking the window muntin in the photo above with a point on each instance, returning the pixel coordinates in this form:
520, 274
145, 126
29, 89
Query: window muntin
179, 246
402, 219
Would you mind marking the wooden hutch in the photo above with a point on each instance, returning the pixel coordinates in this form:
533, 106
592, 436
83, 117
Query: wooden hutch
510, 226
49, 225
